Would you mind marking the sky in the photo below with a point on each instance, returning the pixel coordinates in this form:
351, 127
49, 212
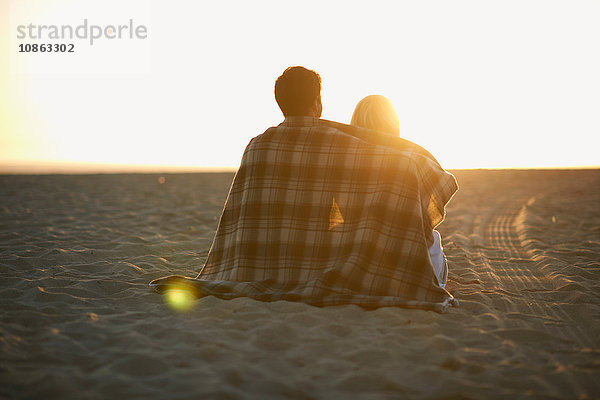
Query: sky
480, 84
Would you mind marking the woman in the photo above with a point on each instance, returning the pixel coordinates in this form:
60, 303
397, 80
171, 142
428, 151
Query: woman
377, 113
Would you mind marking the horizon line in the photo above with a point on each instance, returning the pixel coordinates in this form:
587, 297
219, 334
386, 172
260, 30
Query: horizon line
90, 168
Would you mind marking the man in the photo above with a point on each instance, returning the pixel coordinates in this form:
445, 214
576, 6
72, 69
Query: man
327, 213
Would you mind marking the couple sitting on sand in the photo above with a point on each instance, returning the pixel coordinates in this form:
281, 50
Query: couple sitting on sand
328, 213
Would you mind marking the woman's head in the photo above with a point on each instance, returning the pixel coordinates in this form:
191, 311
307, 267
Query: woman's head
376, 112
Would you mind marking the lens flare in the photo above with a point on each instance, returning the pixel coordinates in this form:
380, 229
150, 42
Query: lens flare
180, 299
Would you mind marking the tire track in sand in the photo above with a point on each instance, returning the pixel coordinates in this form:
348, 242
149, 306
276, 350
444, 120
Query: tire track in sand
517, 279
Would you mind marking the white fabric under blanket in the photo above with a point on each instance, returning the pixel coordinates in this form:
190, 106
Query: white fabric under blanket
438, 259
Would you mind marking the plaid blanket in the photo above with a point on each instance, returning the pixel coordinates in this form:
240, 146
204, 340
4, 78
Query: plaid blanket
327, 213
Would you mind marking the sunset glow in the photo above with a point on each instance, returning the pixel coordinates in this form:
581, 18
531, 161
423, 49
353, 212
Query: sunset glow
479, 84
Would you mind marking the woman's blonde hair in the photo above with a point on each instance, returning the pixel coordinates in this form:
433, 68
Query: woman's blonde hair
376, 112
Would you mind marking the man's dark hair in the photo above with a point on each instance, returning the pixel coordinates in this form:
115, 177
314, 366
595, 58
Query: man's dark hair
296, 90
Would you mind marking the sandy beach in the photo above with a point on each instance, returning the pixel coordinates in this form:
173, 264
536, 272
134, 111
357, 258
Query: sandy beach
78, 320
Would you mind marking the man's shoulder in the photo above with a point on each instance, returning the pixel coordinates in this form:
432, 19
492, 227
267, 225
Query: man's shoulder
292, 125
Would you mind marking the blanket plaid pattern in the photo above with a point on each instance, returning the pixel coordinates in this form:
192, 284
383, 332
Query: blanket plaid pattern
327, 213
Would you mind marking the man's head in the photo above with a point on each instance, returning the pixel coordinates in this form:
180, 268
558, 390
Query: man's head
298, 92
